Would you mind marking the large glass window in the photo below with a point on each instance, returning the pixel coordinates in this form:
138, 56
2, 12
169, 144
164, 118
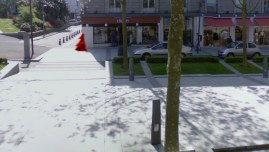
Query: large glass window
212, 6
114, 3
148, 3
266, 6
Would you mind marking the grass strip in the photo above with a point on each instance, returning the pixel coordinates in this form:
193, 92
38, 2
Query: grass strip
191, 68
119, 71
249, 69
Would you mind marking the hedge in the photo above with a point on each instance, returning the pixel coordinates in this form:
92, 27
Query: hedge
188, 59
259, 59
3, 60
120, 59
233, 59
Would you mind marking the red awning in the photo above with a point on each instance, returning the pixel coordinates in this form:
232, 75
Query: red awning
239, 22
114, 20
262, 21
218, 22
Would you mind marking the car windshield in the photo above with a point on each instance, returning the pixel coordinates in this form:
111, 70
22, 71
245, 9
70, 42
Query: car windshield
232, 45
150, 46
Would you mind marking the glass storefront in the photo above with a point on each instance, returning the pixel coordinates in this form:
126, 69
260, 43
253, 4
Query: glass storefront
261, 35
215, 36
100, 35
149, 34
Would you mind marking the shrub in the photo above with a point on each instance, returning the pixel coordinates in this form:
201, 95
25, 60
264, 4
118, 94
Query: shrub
233, 59
3, 60
158, 59
120, 59
196, 59
259, 59
189, 59
25, 27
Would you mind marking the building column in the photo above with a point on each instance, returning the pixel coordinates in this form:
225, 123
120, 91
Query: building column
160, 30
139, 34
250, 34
232, 32
88, 32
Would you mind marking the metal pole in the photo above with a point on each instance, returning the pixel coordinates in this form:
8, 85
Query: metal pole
44, 30
31, 26
198, 34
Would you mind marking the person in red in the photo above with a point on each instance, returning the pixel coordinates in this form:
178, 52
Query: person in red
81, 45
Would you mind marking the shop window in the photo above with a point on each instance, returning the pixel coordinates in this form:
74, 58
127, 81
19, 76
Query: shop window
100, 35
149, 34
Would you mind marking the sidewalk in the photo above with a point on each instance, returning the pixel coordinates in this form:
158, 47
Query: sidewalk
64, 104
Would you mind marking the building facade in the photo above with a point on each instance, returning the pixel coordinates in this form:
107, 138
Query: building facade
74, 7
207, 21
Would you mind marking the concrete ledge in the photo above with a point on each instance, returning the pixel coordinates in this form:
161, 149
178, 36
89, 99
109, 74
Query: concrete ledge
242, 148
9, 70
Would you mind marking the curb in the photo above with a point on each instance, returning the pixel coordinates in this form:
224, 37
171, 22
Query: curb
9, 70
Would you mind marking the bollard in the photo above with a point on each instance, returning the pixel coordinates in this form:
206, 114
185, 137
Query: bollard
66, 38
60, 42
69, 37
26, 40
265, 67
63, 40
156, 122
131, 69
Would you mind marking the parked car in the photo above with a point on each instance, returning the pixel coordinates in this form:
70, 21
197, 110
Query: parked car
159, 48
73, 22
236, 49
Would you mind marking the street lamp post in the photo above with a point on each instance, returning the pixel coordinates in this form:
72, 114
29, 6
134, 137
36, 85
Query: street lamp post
44, 28
31, 28
198, 47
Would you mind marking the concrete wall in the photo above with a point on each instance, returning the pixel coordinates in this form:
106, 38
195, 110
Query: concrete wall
88, 31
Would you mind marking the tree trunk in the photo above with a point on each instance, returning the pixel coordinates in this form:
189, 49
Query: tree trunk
124, 35
174, 71
244, 32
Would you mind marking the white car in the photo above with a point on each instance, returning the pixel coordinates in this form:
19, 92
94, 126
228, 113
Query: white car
73, 22
236, 49
159, 49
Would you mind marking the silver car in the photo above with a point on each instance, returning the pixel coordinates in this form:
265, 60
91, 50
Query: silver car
236, 49
159, 49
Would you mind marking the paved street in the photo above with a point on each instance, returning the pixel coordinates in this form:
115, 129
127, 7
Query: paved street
12, 48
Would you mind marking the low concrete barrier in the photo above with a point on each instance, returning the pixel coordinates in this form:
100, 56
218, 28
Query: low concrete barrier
9, 70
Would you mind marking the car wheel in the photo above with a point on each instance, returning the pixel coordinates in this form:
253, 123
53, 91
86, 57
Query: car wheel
230, 54
145, 55
256, 54
183, 54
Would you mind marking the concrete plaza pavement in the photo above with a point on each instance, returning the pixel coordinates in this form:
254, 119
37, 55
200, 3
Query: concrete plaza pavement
64, 103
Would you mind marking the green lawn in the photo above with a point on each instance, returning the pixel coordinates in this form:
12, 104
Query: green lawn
6, 25
118, 71
250, 69
2, 66
191, 68
261, 64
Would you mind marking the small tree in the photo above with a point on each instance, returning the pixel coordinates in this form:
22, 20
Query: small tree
174, 71
246, 9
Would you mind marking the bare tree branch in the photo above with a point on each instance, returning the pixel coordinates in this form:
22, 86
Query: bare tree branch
253, 8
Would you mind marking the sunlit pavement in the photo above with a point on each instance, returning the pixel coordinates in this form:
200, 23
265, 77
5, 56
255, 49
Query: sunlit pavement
64, 104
